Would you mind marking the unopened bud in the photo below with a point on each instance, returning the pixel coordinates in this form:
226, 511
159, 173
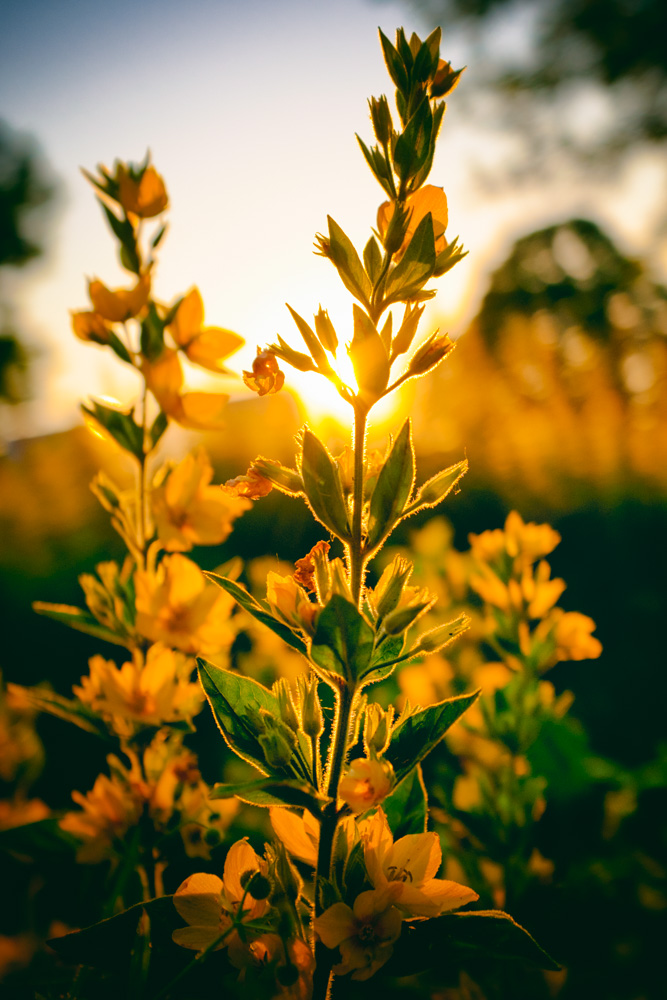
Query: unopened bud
339, 581
285, 703
312, 720
287, 975
445, 79
381, 118
397, 228
441, 636
389, 589
377, 728
324, 329
276, 748
402, 618
430, 354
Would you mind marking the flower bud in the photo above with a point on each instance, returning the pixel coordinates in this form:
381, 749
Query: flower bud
312, 720
366, 783
89, 326
430, 354
324, 329
387, 593
287, 710
277, 746
377, 728
259, 886
403, 617
381, 118
339, 581
441, 636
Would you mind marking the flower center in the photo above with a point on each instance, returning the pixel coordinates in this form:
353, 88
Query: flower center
397, 874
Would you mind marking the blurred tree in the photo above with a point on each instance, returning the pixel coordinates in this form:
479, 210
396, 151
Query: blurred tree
25, 187
586, 77
570, 353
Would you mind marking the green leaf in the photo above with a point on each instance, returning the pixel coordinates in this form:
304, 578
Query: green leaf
393, 488
343, 640
413, 146
394, 63
233, 699
420, 733
269, 792
438, 487
157, 239
372, 259
119, 423
311, 341
152, 334
346, 260
35, 840
322, 486
462, 940
254, 608
406, 808
71, 710
79, 619
386, 657
415, 267
104, 944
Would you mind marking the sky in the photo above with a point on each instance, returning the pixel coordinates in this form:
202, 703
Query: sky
249, 111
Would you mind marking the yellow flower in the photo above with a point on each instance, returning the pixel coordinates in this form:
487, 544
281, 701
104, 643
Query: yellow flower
523, 542
252, 485
175, 605
88, 326
194, 410
539, 592
573, 637
290, 602
145, 196
411, 864
365, 933
207, 347
428, 199
120, 304
110, 808
266, 376
208, 904
366, 782
19, 812
188, 511
146, 692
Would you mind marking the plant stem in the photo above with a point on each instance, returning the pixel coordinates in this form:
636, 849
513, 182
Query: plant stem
356, 544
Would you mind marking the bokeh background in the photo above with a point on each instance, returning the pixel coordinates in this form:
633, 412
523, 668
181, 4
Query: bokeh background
553, 159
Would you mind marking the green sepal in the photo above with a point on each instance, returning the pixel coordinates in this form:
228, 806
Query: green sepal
406, 807
269, 792
119, 348
369, 356
469, 936
101, 944
380, 169
254, 608
283, 478
355, 878
78, 619
35, 840
311, 341
434, 490
343, 641
69, 709
407, 330
322, 486
415, 267
450, 256
158, 428
159, 236
413, 739
297, 359
393, 488
124, 232
119, 423
345, 259
230, 696
152, 334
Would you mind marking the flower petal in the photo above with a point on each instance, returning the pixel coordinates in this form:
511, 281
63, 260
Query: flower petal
198, 901
335, 925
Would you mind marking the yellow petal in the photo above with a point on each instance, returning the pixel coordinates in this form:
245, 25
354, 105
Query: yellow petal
418, 855
209, 348
164, 378
198, 900
435, 897
146, 197
291, 829
240, 859
89, 326
335, 925
120, 304
188, 319
202, 411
